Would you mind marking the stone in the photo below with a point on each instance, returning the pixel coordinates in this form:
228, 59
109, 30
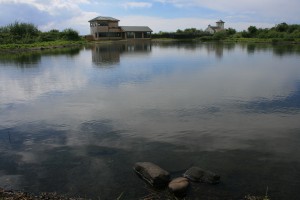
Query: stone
179, 186
197, 174
153, 174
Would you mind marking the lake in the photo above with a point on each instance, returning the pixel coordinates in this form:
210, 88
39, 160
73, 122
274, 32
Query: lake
74, 121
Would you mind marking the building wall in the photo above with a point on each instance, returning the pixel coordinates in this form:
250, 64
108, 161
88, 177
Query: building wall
105, 30
221, 25
110, 30
210, 30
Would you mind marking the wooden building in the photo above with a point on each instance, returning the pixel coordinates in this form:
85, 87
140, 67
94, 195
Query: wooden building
107, 28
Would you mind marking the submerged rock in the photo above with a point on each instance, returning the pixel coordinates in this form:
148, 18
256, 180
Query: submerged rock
200, 175
153, 174
179, 186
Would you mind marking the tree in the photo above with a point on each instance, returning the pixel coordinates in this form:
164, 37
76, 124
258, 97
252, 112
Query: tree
230, 31
283, 27
220, 35
252, 30
70, 34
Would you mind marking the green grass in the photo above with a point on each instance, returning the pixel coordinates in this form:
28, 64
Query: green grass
59, 43
262, 40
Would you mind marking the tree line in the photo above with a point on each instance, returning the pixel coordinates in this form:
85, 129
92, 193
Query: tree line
28, 33
282, 31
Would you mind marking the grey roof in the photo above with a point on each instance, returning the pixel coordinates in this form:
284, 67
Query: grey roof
104, 19
220, 21
136, 29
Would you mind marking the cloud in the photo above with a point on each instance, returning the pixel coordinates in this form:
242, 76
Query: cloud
172, 24
56, 14
137, 5
61, 14
279, 10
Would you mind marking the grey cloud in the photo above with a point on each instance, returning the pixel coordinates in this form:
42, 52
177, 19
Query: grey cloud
10, 12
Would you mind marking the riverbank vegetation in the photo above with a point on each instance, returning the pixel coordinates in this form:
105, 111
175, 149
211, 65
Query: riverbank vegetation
282, 32
27, 36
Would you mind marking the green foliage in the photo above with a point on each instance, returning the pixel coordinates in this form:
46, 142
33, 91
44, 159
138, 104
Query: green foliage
252, 31
70, 34
27, 33
230, 31
220, 35
283, 27
189, 33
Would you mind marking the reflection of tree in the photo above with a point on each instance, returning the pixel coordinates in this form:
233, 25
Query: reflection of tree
31, 59
105, 55
278, 50
213, 47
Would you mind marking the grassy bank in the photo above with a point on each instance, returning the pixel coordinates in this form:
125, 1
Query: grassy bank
41, 45
26, 36
263, 40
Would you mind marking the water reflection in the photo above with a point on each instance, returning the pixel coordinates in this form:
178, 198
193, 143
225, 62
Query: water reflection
32, 59
283, 104
41, 73
106, 55
71, 127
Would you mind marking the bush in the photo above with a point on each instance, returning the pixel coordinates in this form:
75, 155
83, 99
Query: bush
27, 33
220, 35
70, 34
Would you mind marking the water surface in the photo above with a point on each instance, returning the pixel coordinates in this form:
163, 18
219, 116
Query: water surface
75, 121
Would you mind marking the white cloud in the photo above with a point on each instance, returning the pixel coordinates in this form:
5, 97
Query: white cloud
163, 24
172, 24
279, 10
137, 5
53, 14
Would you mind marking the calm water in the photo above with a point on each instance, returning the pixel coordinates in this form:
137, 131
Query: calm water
75, 121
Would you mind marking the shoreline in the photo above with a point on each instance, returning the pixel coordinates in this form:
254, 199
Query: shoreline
20, 195
12, 48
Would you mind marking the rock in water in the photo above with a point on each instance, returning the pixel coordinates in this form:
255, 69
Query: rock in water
153, 174
200, 175
179, 186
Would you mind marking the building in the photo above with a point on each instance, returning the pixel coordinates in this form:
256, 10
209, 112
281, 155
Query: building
219, 27
107, 28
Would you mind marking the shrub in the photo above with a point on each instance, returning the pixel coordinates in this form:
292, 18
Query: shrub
70, 34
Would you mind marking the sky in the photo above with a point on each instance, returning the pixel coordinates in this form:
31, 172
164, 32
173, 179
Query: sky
159, 15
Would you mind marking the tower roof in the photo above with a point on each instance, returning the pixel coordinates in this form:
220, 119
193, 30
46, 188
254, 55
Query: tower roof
220, 21
101, 18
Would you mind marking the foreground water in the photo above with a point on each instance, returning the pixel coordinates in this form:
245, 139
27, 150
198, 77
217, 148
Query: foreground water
75, 121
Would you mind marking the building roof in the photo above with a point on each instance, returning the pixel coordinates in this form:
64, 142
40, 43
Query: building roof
136, 29
101, 18
220, 21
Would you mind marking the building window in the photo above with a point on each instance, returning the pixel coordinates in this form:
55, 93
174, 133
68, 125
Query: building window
138, 35
114, 34
109, 34
103, 34
102, 24
147, 34
130, 34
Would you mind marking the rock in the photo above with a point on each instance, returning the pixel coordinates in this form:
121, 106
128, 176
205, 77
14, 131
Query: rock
200, 175
153, 174
179, 186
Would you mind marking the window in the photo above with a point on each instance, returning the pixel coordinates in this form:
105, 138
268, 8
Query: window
114, 34
130, 34
102, 34
147, 34
102, 24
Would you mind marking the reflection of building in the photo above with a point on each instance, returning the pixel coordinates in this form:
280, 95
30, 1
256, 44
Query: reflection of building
219, 27
109, 54
107, 28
